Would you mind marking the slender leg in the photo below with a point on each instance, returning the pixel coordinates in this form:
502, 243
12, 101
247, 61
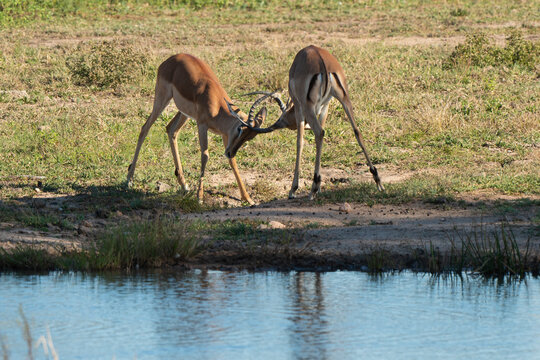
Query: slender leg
299, 146
243, 193
319, 135
172, 131
203, 142
347, 106
162, 97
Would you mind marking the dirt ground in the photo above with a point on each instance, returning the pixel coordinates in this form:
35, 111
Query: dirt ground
343, 231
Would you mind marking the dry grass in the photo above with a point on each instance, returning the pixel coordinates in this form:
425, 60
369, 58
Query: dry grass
413, 113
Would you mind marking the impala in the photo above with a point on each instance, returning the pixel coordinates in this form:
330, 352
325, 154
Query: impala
315, 77
199, 95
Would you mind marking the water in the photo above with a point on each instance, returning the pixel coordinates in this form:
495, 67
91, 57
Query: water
221, 315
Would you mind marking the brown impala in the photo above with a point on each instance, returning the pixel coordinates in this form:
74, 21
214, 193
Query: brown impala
315, 78
198, 94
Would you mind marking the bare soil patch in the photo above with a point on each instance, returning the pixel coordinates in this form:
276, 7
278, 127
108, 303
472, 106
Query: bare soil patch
323, 236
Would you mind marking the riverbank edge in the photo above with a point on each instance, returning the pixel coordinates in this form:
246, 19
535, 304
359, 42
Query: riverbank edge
284, 258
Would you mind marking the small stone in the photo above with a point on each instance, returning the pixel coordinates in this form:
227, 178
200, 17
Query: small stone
38, 190
346, 208
276, 225
163, 187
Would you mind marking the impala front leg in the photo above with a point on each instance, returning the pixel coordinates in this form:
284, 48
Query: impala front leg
243, 193
203, 142
232, 161
172, 131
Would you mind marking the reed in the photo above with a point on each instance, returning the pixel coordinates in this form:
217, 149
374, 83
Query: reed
143, 244
495, 253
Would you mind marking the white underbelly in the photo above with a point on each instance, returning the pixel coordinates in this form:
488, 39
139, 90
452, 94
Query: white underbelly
185, 106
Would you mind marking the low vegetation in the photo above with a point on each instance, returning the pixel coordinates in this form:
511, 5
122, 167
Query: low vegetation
445, 94
134, 245
492, 254
107, 64
478, 51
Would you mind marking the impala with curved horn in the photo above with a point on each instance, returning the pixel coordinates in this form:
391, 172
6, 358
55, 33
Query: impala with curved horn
315, 77
199, 95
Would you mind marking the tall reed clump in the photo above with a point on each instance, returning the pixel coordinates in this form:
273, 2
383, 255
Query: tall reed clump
495, 254
143, 244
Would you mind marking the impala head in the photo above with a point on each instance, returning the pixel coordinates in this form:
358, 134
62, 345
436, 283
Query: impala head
244, 132
248, 129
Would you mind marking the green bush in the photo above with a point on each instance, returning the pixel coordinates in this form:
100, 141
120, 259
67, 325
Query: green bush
106, 64
478, 51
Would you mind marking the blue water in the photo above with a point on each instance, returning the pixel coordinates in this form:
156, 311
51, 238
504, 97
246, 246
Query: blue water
271, 315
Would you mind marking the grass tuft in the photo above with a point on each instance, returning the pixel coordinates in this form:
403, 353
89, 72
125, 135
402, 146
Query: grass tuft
478, 51
144, 244
134, 245
495, 254
106, 64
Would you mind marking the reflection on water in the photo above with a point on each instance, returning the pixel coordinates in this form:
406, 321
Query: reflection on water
296, 315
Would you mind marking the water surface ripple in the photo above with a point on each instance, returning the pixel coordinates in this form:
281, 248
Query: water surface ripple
271, 315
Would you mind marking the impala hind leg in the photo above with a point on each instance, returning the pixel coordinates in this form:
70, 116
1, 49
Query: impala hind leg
300, 122
162, 97
172, 131
319, 136
347, 106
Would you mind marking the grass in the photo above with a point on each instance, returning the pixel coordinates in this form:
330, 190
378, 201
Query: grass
497, 253
477, 251
45, 342
477, 51
143, 244
77, 81
90, 85
161, 242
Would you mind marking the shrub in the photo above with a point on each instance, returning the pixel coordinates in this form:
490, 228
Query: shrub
478, 51
106, 64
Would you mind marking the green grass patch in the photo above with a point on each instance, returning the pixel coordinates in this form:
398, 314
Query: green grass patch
145, 244
478, 51
428, 189
76, 85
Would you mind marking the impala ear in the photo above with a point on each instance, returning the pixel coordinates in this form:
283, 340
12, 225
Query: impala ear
260, 117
